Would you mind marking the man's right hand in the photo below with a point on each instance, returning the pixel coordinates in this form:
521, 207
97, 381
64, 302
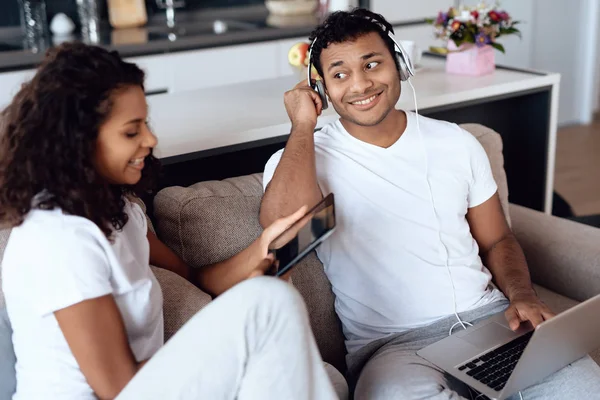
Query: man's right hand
303, 105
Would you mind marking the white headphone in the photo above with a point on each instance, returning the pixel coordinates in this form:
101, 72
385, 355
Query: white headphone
405, 66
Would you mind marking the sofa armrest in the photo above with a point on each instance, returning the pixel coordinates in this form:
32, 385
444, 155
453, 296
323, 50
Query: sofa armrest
563, 256
181, 300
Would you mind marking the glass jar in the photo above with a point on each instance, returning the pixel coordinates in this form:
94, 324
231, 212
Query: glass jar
89, 18
34, 22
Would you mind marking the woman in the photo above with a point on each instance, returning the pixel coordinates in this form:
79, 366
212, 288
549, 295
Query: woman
85, 308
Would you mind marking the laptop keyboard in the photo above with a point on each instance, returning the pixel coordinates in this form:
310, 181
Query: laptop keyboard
494, 368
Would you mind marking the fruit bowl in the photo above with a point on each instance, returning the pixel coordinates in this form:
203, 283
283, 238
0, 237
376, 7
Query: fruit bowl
298, 54
298, 58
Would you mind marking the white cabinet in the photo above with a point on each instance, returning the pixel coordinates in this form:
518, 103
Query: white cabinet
223, 66
157, 69
158, 77
408, 10
158, 72
10, 83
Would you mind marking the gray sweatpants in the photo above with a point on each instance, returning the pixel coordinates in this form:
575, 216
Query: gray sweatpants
389, 368
252, 342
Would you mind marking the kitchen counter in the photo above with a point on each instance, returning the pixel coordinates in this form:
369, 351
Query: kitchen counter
200, 132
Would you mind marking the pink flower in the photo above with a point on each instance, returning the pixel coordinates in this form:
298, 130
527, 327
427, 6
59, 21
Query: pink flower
494, 16
504, 16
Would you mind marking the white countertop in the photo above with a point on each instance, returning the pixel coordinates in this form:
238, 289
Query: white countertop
209, 118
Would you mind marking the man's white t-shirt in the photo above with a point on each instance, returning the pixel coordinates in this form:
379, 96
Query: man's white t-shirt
387, 259
53, 261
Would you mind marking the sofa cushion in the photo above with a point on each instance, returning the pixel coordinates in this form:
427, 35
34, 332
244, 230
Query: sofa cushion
8, 381
181, 300
209, 221
4, 234
7, 353
491, 141
212, 221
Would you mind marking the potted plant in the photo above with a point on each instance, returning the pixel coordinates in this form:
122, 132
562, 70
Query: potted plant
472, 34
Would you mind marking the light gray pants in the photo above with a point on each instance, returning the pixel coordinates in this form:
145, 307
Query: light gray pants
252, 342
390, 369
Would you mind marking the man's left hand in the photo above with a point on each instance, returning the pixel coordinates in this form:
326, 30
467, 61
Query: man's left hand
527, 308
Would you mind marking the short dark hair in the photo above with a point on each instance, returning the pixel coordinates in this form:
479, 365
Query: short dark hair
49, 134
342, 26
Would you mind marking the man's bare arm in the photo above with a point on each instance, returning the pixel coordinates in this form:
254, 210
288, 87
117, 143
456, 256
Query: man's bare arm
499, 248
294, 183
503, 256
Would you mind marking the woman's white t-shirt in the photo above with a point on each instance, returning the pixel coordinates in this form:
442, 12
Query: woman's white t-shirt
53, 261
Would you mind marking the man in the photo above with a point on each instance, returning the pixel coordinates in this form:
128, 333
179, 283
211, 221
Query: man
418, 218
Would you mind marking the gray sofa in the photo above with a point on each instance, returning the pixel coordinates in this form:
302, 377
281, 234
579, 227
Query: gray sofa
210, 221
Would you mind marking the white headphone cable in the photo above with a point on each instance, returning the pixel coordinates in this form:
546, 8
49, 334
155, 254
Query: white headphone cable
446, 255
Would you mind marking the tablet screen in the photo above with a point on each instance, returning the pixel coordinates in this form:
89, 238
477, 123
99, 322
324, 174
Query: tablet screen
304, 235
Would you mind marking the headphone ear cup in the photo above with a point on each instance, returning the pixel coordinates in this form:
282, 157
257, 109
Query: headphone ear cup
404, 72
319, 87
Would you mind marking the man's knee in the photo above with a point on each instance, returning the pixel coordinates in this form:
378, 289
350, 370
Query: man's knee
394, 384
579, 380
583, 373
366, 389
403, 390
386, 377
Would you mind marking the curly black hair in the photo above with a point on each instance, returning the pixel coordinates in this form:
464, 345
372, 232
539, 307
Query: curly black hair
342, 26
49, 134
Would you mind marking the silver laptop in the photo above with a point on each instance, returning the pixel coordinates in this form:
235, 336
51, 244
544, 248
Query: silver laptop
495, 361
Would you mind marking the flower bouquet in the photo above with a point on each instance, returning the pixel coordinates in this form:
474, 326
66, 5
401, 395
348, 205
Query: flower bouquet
471, 34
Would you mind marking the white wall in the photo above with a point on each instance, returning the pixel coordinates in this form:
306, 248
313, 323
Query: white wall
408, 10
565, 36
555, 49
558, 36
588, 53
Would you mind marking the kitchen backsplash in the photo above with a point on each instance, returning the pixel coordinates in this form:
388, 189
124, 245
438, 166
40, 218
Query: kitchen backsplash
10, 11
